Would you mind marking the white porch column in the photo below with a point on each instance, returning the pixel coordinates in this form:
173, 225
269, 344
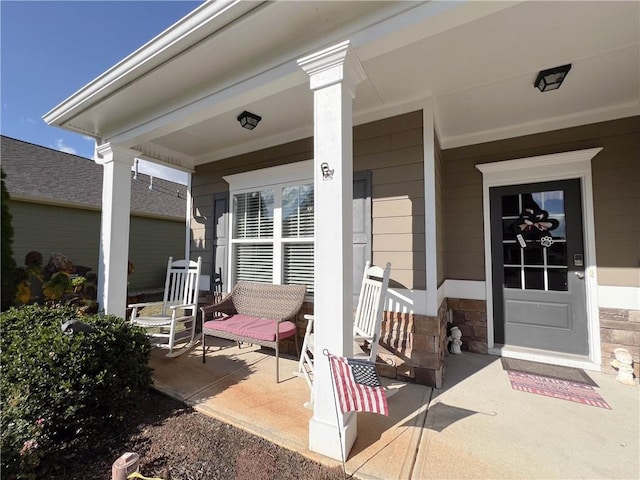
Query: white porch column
114, 232
334, 74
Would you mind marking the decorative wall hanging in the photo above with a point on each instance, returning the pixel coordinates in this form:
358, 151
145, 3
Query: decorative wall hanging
327, 173
534, 224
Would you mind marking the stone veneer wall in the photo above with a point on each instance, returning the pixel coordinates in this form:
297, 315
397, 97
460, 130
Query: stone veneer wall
413, 347
471, 317
619, 328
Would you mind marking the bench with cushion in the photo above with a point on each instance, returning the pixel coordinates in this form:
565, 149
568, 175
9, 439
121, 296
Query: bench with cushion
257, 313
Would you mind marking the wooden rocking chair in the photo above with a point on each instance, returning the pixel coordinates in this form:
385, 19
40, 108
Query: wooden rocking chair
366, 325
173, 320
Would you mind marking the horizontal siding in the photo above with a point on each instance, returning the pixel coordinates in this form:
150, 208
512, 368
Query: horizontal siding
616, 196
75, 233
72, 232
391, 149
151, 243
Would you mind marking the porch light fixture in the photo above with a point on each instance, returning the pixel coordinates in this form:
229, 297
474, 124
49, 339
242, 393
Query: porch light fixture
552, 78
249, 120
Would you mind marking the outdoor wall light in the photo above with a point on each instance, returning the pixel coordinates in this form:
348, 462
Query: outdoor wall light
249, 120
552, 78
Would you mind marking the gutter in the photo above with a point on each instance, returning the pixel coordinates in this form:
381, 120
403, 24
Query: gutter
205, 20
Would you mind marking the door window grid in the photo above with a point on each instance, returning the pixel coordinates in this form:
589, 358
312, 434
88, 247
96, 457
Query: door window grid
528, 272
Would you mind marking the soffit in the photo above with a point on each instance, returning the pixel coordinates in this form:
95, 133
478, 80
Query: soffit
480, 72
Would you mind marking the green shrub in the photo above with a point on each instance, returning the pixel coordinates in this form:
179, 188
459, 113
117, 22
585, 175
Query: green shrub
63, 392
7, 264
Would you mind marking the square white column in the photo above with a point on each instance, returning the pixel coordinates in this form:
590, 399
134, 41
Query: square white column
334, 74
114, 231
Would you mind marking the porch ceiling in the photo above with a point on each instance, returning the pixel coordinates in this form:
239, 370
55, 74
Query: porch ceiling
477, 59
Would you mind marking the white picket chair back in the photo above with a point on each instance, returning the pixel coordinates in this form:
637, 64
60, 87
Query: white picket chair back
181, 284
368, 318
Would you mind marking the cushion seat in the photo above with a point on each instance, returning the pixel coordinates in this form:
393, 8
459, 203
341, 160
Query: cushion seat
262, 329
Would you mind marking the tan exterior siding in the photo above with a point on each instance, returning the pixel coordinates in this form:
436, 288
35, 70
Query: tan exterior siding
391, 149
463, 224
616, 196
75, 233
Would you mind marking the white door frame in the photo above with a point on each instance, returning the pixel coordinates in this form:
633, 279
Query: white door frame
545, 168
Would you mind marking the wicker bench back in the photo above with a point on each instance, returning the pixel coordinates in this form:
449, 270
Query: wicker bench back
265, 300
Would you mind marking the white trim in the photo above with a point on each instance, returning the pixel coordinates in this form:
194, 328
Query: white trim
465, 289
627, 298
291, 172
187, 219
560, 166
430, 225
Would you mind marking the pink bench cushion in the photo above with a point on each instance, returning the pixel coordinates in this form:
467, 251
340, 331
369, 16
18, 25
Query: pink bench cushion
262, 329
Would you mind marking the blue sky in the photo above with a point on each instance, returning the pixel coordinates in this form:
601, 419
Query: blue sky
51, 49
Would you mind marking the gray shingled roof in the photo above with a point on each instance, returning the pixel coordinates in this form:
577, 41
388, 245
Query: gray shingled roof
45, 175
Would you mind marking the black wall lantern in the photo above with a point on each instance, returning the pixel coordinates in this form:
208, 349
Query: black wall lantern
249, 120
552, 78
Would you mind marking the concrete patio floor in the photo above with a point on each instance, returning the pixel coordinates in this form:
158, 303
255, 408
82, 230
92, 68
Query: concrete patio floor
475, 427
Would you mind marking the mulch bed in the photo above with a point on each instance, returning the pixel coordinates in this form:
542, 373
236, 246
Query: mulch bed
176, 443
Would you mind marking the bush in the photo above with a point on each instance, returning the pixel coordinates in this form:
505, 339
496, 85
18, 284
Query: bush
7, 264
63, 392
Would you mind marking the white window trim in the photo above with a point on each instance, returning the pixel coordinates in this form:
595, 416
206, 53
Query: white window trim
275, 178
558, 166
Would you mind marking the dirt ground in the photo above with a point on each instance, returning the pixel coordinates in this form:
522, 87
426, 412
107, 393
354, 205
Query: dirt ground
176, 443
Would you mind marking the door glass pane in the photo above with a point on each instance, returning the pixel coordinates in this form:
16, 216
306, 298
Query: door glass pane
557, 254
533, 254
558, 279
507, 232
511, 252
511, 205
512, 278
534, 279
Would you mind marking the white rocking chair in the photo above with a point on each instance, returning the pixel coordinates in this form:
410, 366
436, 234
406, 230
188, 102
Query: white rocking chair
179, 308
366, 325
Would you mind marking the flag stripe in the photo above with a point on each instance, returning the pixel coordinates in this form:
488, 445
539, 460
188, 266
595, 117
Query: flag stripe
357, 386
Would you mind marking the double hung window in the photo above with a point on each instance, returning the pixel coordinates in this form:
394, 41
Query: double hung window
272, 237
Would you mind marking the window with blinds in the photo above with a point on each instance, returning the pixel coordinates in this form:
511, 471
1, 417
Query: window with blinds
273, 235
253, 214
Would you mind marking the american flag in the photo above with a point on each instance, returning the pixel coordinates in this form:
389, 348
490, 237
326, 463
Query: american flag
358, 386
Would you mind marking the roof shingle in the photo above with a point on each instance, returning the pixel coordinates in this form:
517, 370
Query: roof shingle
43, 174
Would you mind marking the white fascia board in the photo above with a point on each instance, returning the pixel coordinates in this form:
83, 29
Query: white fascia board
204, 20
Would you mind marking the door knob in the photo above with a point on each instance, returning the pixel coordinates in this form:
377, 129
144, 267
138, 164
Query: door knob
579, 274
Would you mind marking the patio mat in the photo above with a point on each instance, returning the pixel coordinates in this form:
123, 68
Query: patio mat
561, 389
559, 372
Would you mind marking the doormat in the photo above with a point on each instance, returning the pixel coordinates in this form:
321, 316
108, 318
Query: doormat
575, 375
552, 387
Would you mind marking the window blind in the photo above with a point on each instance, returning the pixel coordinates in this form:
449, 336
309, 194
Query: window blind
298, 265
254, 262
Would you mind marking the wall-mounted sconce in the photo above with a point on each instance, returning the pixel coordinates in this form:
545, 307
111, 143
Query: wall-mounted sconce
327, 173
249, 120
552, 78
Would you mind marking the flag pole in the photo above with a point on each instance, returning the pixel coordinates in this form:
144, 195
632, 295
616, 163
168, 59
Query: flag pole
325, 352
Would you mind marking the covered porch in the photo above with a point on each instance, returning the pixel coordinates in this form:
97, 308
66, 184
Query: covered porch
475, 427
415, 98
